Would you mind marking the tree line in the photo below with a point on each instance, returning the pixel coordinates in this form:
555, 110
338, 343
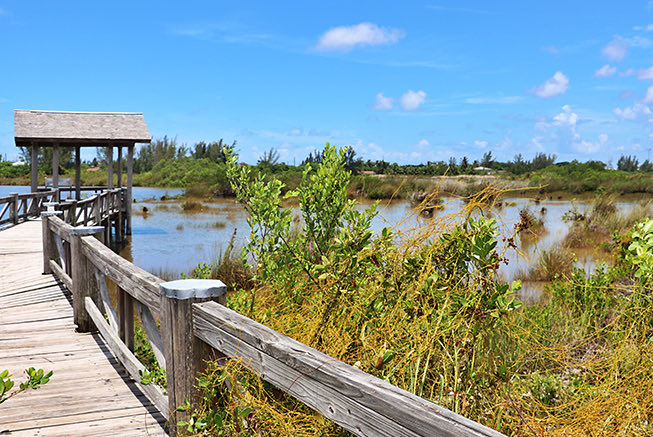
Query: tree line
148, 155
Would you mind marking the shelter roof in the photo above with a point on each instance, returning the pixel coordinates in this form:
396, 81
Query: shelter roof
79, 128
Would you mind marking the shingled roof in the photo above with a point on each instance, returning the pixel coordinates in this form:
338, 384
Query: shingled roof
79, 128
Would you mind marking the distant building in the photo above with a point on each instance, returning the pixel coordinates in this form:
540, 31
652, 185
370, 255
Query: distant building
17, 163
485, 170
93, 169
368, 173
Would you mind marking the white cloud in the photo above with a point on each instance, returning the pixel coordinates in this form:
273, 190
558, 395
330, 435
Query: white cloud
412, 100
649, 27
551, 49
566, 117
345, 38
423, 144
585, 146
296, 132
616, 49
646, 73
648, 98
637, 112
554, 86
605, 71
383, 103
481, 144
603, 138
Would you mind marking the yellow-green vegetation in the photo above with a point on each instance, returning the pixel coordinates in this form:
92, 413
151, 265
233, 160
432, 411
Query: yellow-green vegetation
602, 221
426, 311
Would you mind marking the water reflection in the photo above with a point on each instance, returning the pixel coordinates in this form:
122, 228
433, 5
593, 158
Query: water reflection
168, 239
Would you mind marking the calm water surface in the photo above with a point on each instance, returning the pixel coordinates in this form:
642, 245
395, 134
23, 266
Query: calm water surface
167, 240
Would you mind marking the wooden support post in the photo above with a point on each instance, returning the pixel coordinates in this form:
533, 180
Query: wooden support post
13, 212
34, 177
48, 242
83, 276
128, 197
119, 166
126, 318
107, 224
78, 174
185, 354
97, 210
72, 213
55, 169
109, 167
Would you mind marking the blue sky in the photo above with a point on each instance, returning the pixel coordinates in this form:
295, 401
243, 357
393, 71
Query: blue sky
406, 82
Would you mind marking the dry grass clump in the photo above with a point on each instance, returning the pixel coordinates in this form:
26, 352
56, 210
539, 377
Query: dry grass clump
418, 314
552, 264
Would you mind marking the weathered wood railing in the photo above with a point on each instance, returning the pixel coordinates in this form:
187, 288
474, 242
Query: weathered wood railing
196, 326
19, 207
99, 209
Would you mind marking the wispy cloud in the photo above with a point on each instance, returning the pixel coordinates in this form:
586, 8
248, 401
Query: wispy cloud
605, 71
554, 86
615, 50
646, 73
501, 100
467, 10
346, 38
236, 33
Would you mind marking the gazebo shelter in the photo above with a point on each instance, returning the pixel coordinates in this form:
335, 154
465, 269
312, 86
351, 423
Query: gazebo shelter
57, 129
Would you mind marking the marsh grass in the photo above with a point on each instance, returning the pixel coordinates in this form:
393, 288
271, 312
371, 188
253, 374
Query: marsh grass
551, 265
424, 309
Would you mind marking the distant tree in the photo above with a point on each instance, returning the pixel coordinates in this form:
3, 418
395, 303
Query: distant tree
519, 165
215, 151
269, 158
465, 168
646, 167
488, 160
314, 157
542, 160
628, 163
45, 157
352, 163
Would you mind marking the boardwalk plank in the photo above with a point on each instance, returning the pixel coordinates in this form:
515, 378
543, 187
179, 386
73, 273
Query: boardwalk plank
89, 393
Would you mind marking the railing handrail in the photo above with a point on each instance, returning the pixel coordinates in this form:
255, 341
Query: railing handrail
31, 205
191, 326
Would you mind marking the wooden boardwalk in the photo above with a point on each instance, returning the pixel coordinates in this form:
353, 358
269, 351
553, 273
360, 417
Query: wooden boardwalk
89, 393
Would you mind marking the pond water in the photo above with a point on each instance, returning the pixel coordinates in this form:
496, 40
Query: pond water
167, 241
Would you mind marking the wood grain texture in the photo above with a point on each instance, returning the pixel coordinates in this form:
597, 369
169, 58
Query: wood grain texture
141, 285
126, 357
106, 300
61, 274
153, 333
358, 389
89, 393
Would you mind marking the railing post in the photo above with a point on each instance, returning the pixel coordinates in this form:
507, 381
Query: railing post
97, 210
48, 244
73, 211
83, 277
126, 318
185, 353
14, 208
